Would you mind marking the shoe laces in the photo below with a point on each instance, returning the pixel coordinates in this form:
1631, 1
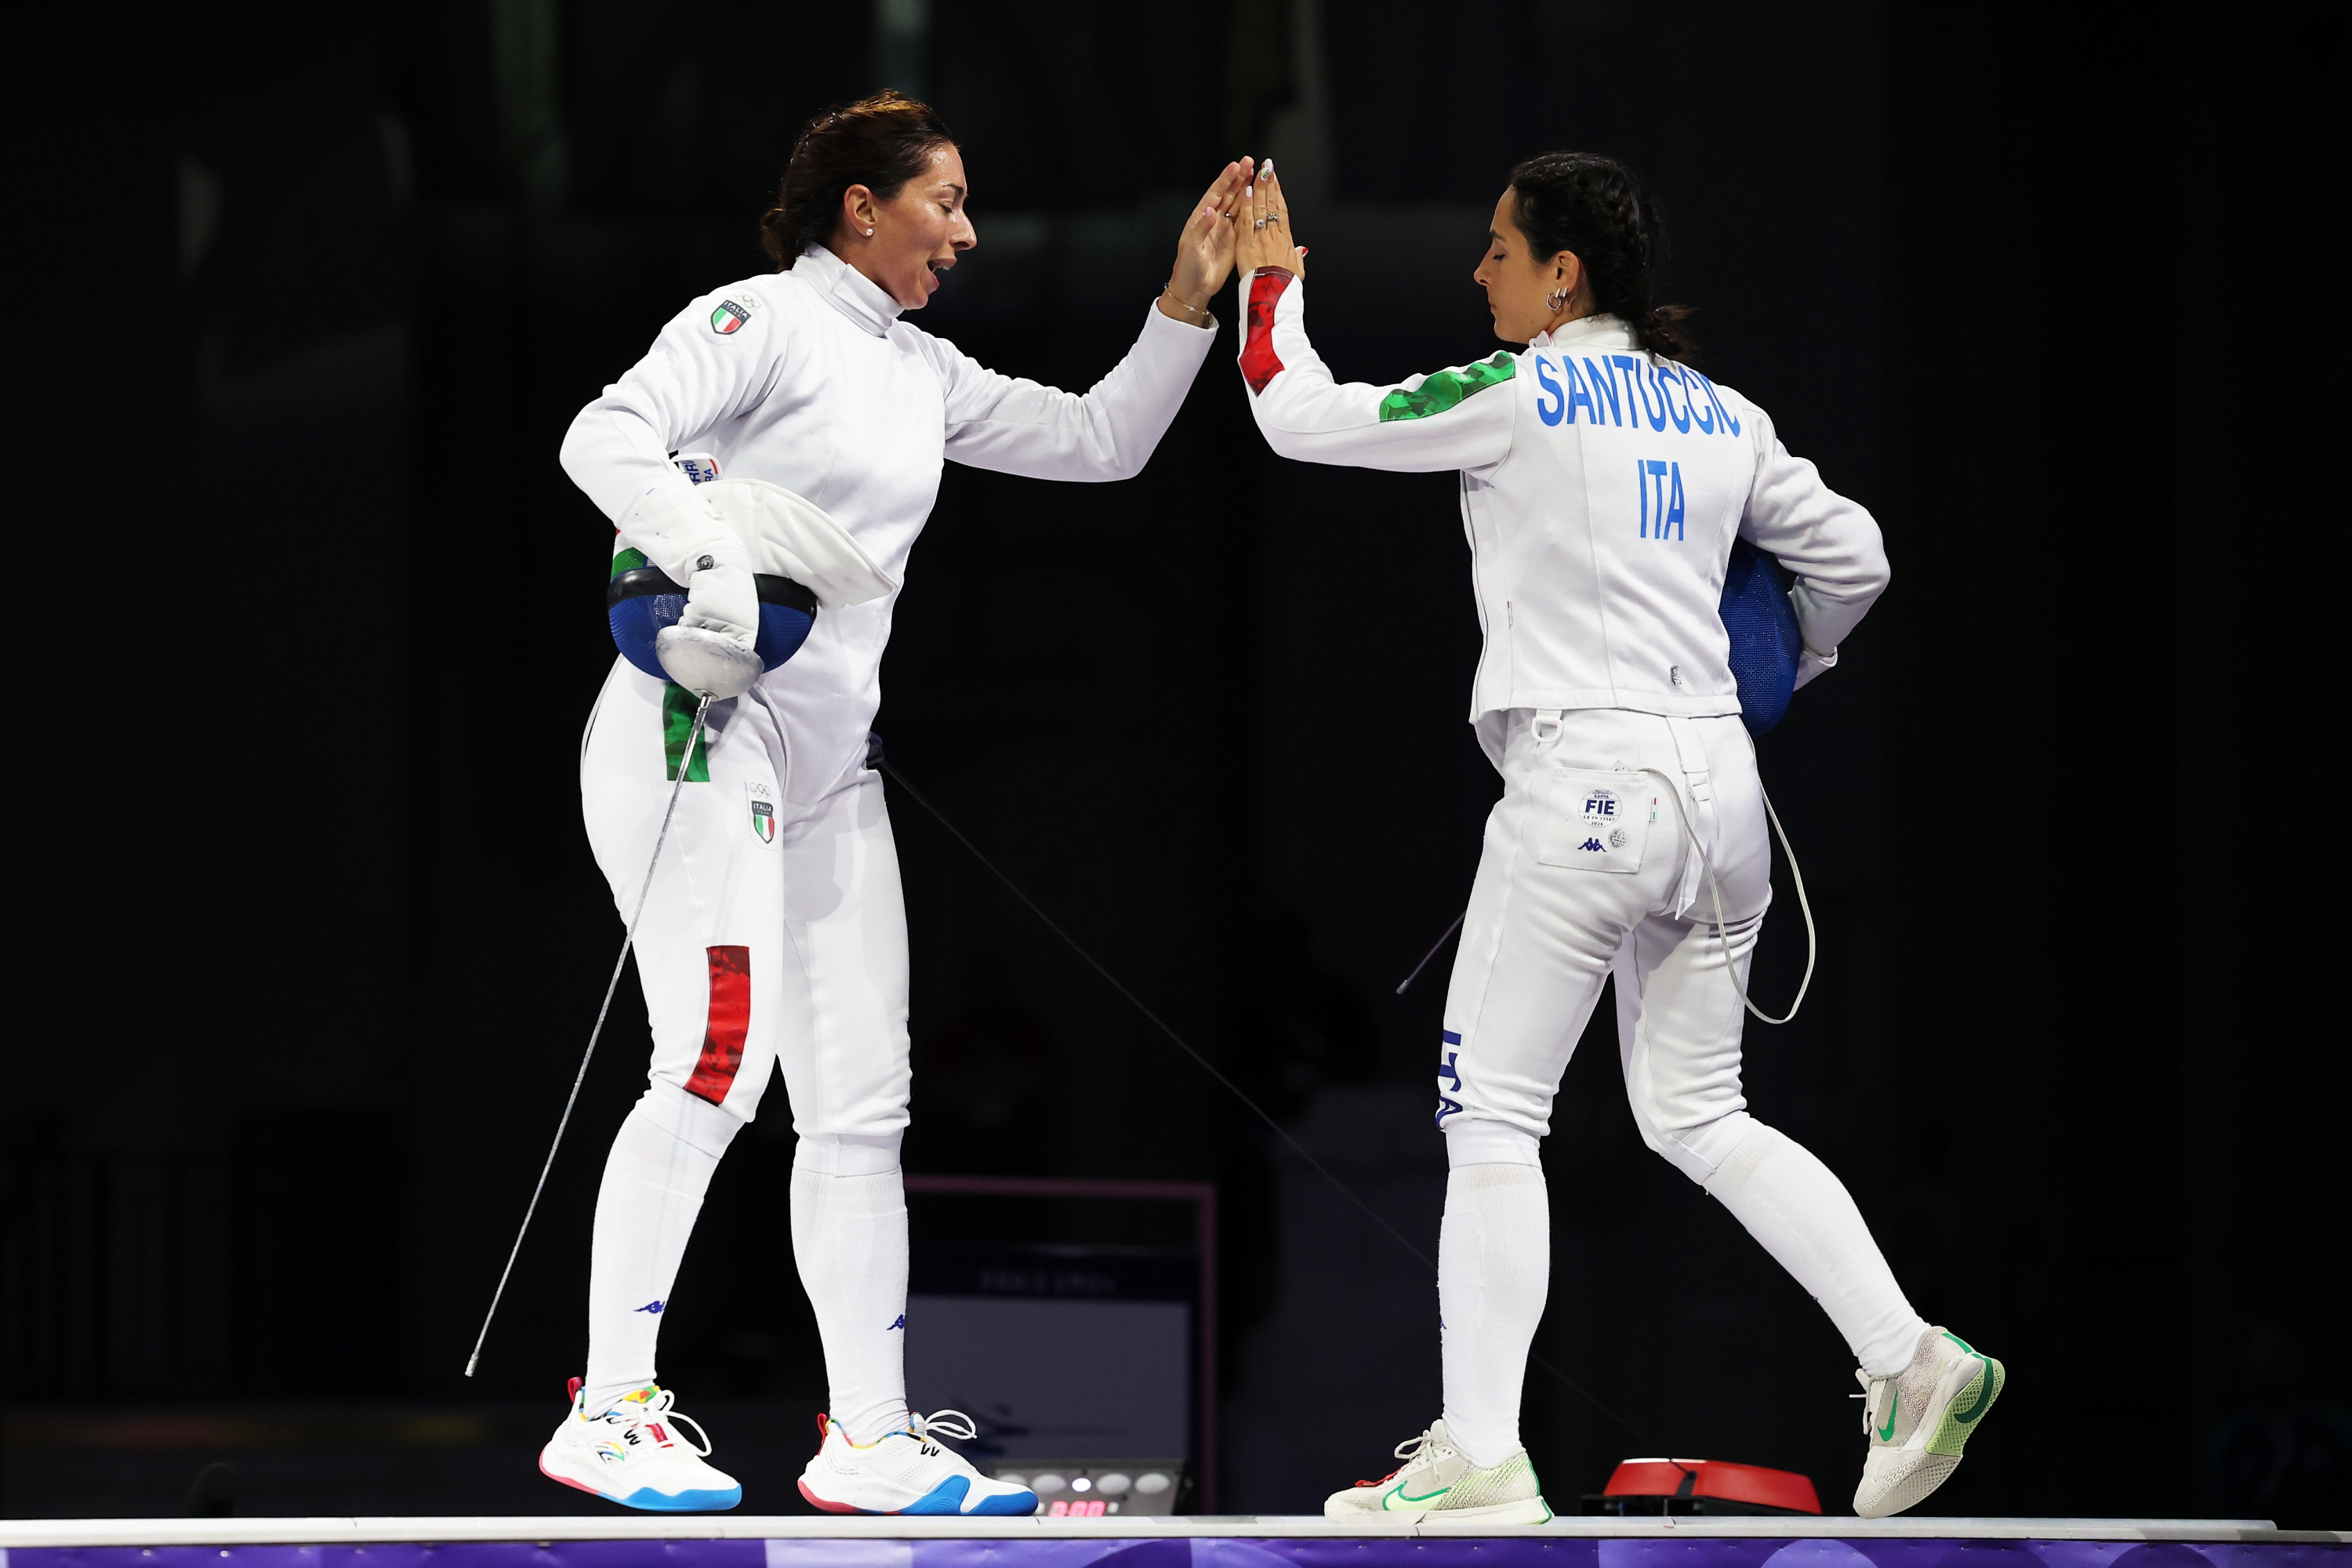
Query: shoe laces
661, 1406
1408, 1451
945, 1422
1872, 1388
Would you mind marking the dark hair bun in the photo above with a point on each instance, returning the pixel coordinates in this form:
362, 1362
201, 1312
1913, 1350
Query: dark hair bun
879, 142
1597, 208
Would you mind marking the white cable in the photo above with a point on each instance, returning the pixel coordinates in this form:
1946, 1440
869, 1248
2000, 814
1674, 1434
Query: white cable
1812, 942
684, 761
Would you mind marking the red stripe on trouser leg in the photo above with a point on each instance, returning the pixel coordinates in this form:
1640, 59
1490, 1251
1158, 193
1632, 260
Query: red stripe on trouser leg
1260, 364
729, 1019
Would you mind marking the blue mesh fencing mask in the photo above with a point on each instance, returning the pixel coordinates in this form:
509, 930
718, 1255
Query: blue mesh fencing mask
1765, 644
641, 600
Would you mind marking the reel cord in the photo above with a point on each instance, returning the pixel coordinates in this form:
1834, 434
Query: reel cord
1209, 1068
1804, 905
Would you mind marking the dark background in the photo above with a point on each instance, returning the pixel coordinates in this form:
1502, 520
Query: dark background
309, 936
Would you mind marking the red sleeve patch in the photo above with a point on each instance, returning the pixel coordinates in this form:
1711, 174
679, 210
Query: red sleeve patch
1260, 364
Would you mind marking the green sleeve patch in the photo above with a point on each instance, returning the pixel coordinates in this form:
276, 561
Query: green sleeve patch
1441, 392
626, 561
678, 721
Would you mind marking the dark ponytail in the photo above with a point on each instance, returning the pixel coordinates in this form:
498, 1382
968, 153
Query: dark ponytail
879, 142
1594, 206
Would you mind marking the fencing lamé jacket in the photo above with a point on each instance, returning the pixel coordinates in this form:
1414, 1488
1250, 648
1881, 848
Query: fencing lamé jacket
809, 379
1601, 488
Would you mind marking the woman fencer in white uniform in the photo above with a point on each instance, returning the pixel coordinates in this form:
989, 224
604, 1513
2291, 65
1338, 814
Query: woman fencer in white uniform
774, 930
1602, 483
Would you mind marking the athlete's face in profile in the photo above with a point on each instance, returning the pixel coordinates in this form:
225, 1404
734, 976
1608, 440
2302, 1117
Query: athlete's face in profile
918, 233
1520, 285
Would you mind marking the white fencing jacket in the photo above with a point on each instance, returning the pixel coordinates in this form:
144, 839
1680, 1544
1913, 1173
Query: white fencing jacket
808, 379
1601, 488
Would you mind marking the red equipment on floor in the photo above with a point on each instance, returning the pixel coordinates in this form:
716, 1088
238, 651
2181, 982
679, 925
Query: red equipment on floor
1703, 1486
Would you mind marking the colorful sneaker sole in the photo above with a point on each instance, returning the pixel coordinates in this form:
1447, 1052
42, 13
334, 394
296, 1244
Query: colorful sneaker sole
680, 1503
946, 1497
706, 1500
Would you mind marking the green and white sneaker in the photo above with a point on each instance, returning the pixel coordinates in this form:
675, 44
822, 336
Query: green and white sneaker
1437, 1483
1919, 1418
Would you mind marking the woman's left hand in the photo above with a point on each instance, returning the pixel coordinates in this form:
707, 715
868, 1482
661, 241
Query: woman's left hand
1204, 251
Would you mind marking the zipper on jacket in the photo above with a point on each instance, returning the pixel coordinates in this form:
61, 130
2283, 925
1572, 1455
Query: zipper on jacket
1477, 592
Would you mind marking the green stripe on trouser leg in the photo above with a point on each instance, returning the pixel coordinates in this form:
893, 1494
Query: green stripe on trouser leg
677, 722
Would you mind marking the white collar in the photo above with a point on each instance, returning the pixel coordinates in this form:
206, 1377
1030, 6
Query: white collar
848, 289
1601, 331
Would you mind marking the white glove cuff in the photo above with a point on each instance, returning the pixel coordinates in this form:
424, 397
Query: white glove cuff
680, 532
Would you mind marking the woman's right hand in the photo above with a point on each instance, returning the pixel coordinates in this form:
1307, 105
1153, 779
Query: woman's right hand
1263, 225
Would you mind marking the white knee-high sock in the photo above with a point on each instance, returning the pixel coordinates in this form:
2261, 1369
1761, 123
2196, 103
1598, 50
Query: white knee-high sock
655, 1178
849, 1237
1806, 1219
1494, 1266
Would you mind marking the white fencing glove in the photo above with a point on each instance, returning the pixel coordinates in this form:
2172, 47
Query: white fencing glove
711, 651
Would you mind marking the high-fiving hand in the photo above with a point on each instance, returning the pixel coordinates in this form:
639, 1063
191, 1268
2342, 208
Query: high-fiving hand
1261, 228
1204, 251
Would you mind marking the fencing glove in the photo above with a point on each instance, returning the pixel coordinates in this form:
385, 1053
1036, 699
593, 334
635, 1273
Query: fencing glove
710, 650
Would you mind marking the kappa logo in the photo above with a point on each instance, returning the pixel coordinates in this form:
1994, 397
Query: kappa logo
728, 318
899, 1324
1595, 845
653, 1307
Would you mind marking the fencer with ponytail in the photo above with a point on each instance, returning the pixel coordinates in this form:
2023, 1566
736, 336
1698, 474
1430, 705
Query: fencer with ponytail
1596, 208
880, 142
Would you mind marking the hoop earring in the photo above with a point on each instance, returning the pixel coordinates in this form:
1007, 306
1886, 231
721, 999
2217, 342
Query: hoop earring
1556, 301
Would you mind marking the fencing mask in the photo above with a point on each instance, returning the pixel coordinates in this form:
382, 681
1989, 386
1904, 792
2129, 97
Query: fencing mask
1764, 643
641, 600
802, 558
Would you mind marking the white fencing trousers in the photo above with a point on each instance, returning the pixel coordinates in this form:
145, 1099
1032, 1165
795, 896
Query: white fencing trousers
655, 1178
772, 936
1585, 869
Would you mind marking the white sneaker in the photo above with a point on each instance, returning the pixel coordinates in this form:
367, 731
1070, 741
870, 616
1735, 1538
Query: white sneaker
637, 1455
907, 1471
1919, 1418
1438, 1483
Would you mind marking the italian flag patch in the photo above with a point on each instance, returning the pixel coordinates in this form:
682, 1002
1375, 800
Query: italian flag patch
728, 318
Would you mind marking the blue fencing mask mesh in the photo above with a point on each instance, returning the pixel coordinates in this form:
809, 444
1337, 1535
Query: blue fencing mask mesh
641, 600
1765, 644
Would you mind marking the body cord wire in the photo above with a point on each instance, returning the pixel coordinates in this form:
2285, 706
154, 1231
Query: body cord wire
684, 760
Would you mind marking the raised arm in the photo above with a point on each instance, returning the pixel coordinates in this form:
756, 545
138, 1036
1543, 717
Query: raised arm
1020, 427
1425, 424
1831, 543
